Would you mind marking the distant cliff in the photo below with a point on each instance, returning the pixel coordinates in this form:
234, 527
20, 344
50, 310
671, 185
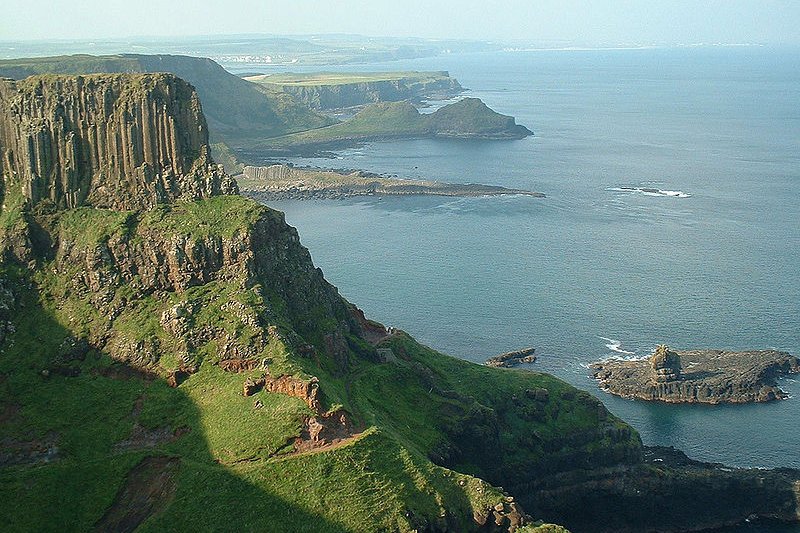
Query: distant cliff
123, 142
337, 90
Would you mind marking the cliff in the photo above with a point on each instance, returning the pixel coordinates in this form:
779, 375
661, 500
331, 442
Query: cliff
328, 90
123, 142
699, 376
168, 351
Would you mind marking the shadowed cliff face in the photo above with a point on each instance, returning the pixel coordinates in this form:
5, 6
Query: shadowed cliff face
115, 141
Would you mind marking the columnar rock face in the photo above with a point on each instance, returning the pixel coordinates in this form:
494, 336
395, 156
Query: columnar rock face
117, 141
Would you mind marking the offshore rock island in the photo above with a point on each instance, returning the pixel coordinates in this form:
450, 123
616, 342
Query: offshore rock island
171, 357
698, 376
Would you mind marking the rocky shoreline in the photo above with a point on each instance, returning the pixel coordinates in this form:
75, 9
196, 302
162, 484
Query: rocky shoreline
698, 376
283, 182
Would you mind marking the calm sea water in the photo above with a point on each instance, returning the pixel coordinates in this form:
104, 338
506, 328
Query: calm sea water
594, 271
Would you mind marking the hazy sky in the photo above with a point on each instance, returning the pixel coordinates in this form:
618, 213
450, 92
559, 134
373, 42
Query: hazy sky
584, 21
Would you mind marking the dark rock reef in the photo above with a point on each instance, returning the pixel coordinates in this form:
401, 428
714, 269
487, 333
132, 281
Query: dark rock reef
699, 376
665, 492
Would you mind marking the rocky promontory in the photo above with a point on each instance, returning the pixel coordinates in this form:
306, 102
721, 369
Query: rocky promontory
283, 182
512, 359
698, 376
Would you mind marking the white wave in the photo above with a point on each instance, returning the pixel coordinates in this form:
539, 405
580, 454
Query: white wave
651, 191
615, 346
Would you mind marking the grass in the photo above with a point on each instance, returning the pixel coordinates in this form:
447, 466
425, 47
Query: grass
222, 216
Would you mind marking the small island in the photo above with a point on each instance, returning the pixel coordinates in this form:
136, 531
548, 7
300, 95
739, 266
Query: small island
698, 376
283, 182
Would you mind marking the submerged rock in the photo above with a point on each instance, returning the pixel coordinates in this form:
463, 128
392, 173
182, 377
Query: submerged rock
699, 376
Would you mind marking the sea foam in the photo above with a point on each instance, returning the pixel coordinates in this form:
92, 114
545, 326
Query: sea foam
651, 191
615, 346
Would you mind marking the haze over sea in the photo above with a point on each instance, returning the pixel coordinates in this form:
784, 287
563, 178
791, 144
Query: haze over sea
595, 270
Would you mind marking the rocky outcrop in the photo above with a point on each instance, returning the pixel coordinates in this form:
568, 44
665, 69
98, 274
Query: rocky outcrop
264, 258
303, 389
117, 141
699, 376
468, 118
511, 359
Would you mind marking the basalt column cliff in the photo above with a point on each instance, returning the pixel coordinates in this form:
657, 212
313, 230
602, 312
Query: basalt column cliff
117, 141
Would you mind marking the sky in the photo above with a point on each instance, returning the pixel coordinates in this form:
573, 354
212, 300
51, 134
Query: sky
573, 21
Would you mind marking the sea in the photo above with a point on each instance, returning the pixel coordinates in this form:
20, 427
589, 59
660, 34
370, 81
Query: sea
672, 217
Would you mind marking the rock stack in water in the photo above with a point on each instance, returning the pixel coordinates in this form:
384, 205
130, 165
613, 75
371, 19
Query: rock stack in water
122, 141
666, 364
